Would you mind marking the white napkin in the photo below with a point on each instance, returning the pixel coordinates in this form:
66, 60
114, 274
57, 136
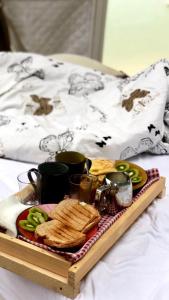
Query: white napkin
10, 208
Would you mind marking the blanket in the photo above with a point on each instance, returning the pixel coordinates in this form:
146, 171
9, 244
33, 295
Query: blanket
48, 106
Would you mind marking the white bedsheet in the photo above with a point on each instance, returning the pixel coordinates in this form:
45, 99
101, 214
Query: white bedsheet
137, 267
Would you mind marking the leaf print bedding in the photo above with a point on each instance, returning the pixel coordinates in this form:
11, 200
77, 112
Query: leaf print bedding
48, 107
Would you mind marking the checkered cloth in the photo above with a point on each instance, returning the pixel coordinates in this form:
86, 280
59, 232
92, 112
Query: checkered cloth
104, 224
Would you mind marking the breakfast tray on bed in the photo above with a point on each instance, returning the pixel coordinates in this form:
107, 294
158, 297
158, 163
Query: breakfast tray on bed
55, 271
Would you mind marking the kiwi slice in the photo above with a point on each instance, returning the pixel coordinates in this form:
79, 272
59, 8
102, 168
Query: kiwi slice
122, 166
25, 224
40, 217
136, 179
132, 172
35, 218
39, 212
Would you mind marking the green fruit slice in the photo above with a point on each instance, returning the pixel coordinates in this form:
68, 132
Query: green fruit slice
25, 224
33, 218
39, 212
40, 217
136, 179
133, 172
122, 166
35, 209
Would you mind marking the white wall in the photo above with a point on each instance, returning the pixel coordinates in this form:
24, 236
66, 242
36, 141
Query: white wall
136, 34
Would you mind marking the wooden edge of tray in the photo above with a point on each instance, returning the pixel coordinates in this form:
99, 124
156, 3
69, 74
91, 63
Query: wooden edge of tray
52, 270
34, 255
39, 275
78, 270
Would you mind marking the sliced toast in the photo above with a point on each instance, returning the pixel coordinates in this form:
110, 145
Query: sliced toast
57, 234
76, 215
71, 219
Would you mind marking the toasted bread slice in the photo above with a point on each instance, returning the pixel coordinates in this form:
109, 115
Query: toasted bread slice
91, 224
102, 166
57, 234
75, 214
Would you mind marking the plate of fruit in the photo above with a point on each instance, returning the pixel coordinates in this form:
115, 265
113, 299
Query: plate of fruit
28, 220
137, 174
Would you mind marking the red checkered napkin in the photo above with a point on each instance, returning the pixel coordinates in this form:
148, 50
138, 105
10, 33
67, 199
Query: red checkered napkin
104, 224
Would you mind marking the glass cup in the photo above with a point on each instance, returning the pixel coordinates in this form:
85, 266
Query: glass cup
80, 187
29, 188
95, 185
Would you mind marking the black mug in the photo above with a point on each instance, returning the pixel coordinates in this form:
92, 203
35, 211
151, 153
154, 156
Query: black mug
76, 161
54, 181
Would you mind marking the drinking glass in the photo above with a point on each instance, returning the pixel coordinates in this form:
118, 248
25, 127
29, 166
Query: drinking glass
80, 187
29, 188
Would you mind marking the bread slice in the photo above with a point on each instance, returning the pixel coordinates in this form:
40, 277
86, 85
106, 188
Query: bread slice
76, 215
57, 234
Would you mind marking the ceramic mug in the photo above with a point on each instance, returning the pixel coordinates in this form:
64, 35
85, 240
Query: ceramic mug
75, 161
54, 181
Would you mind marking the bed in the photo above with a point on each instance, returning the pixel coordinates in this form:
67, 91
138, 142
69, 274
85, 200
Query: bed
137, 266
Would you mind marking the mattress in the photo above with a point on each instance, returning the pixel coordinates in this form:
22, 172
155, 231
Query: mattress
137, 266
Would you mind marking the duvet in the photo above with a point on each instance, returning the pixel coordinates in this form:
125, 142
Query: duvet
48, 106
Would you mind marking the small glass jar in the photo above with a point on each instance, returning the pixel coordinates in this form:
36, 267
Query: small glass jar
117, 187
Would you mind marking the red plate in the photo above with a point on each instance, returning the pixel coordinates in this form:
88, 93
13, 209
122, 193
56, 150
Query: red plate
23, 216
30, 235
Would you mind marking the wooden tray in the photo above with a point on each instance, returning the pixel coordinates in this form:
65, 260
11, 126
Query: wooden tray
55, 272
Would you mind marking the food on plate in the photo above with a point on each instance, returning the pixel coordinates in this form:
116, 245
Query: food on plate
122, 166
136, 179
132, 172
71, 219
35, 217
135, 175
40, 213
25, 224
102, 166
77, 215
66, 225
57, 234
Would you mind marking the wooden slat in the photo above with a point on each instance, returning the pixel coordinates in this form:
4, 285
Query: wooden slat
79, 269
35, 255
38, 275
